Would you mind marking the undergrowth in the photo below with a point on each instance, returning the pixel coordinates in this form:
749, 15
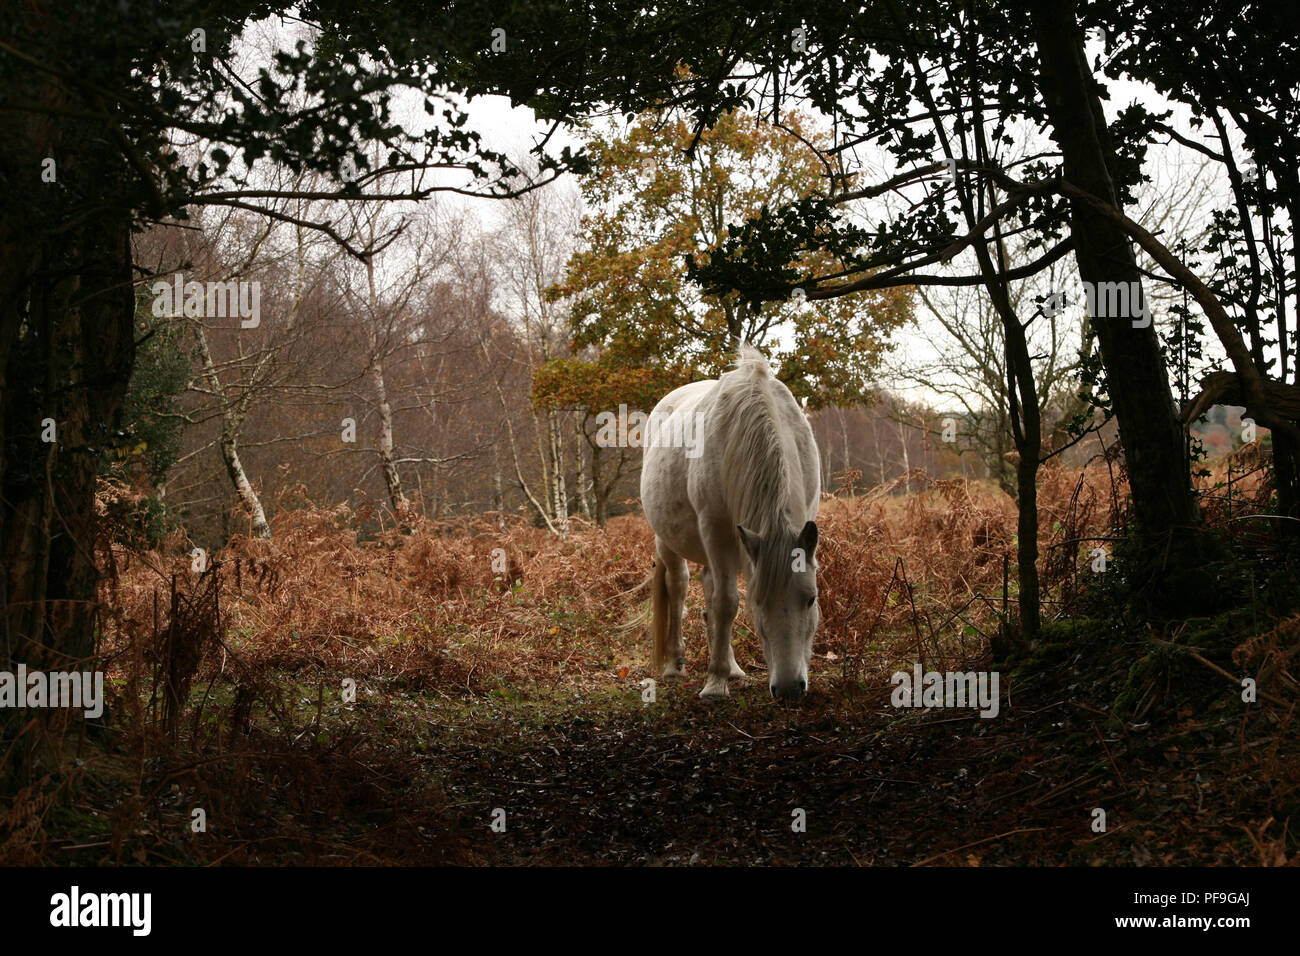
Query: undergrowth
313, 694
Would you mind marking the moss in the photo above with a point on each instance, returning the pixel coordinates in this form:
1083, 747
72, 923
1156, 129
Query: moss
1081, 631
1188, 681
1222, 633
1135, 685
1058, 641
1041, 658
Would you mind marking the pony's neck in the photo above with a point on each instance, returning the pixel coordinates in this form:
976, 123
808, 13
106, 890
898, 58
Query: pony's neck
757, 467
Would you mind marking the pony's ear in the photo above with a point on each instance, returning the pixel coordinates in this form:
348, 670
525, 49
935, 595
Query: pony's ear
751, 542
808, 538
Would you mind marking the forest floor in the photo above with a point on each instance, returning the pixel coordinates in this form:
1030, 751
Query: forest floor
606, 778
589, 773
498, 715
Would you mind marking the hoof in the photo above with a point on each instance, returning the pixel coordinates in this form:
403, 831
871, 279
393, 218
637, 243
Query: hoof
715, 690
676, 668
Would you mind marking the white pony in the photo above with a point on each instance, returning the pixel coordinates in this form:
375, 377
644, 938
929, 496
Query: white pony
743, 496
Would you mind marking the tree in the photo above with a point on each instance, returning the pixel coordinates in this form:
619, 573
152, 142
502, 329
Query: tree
1137, 379
93, 107
387, 293
968, 365
661, 197
658, 197
244, 363
529, 252
589, 385
1235, 71
151, 410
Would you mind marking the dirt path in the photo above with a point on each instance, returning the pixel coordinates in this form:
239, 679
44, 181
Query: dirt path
607, 781
584, 772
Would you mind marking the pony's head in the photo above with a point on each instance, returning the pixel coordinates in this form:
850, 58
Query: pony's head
783, 603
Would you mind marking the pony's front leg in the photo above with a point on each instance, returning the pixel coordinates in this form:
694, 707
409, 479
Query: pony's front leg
723, 602
706, 579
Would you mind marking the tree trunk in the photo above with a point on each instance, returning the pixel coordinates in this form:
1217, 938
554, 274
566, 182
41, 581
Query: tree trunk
1286, 477
1026, 426
599, 489
1150, 434
555, 452
244, 489
388, 465
539, 507
66, 349
583, 479
846, 463
907, 459
498, 490
233, 414
1029, 444
999, 467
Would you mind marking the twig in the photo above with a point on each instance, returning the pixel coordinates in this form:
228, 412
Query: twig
1218, 670
1000, 836
1109, 757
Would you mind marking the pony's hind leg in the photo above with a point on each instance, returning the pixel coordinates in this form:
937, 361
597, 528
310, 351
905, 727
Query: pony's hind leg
706, 578
707, 581
676, 578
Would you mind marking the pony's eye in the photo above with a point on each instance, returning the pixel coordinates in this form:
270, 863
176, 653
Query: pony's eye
812, 601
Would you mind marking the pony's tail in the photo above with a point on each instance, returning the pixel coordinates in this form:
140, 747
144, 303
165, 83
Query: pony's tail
659, 617
653, 614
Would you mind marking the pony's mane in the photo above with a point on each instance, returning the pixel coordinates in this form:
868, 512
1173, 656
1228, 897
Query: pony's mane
755, 470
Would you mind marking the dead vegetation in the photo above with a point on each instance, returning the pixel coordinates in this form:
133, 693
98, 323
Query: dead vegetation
489, 671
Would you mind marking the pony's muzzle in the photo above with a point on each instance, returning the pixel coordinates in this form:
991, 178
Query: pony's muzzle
789, 691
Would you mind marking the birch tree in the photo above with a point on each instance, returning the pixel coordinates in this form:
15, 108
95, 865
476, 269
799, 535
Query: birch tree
531, 251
